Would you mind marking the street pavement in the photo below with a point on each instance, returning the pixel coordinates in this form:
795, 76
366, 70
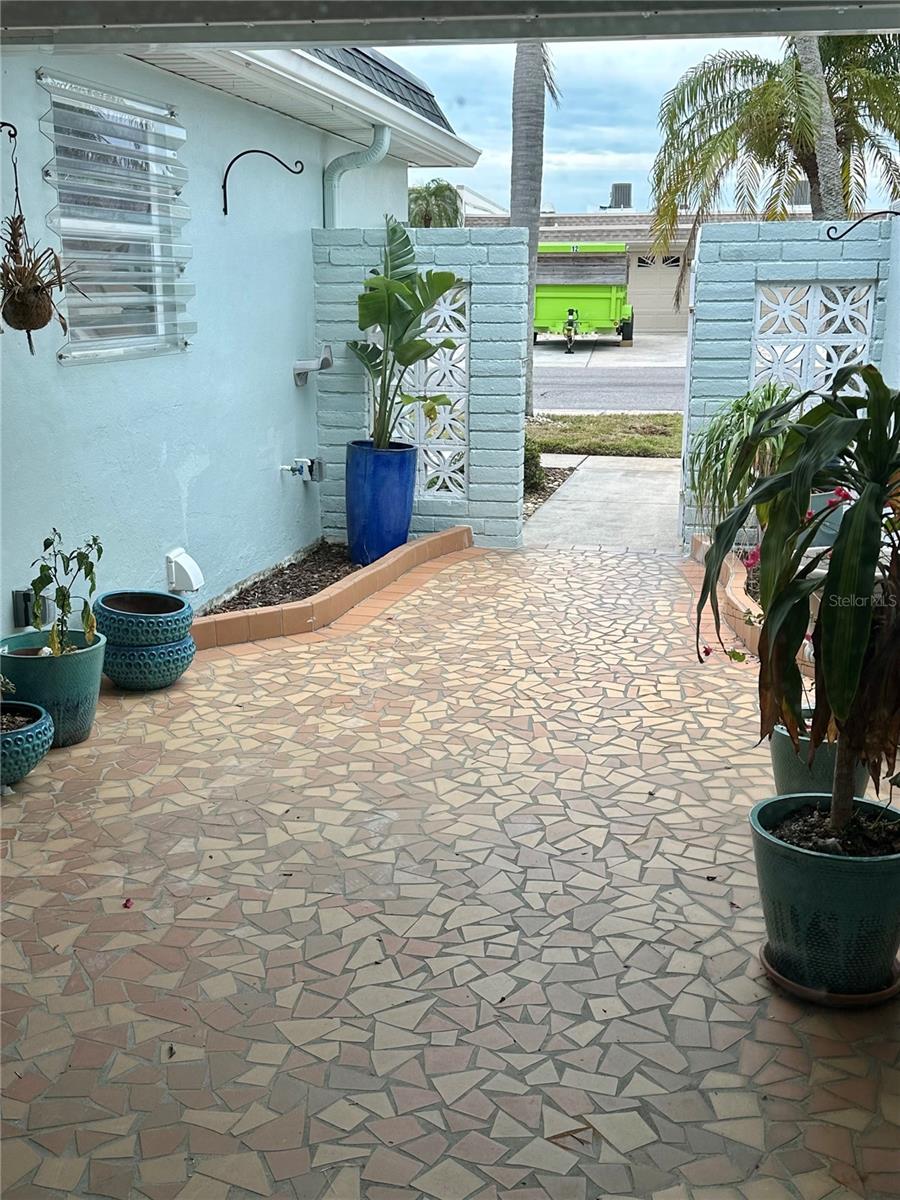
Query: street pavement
603, 376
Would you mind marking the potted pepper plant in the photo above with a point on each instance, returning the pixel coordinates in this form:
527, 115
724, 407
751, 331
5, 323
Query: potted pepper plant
381, 471
829, 864
60, 668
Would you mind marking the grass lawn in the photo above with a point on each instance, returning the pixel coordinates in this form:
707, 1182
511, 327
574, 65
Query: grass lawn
635, 435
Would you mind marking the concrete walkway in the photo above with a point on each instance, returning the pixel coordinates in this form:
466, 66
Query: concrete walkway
612, 502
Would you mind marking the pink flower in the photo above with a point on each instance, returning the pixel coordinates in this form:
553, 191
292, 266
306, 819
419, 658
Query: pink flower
751, 558
129, 903
707, 651
809, 515
842, 493
833, 502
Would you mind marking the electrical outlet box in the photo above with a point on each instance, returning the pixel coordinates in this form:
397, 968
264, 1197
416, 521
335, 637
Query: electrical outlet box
23, 608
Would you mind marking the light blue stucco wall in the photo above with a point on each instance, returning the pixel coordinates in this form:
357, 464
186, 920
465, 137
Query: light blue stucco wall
179, 449
494, 264
890, 359
733, 260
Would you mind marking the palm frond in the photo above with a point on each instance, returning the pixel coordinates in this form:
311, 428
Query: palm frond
887, 164
785, 177
550, 84
715, 452
767, 114
748, 176
854, 179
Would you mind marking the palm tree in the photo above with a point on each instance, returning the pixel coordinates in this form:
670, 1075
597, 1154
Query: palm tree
532, 78
763, 122
435, 203
828, 156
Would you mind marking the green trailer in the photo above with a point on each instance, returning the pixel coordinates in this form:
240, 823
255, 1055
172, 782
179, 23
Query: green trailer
582, 289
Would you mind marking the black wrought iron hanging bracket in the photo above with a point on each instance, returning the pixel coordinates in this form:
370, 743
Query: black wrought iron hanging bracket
296, 169
832, 231
12, 133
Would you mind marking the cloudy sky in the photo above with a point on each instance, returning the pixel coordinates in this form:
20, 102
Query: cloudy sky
604, 130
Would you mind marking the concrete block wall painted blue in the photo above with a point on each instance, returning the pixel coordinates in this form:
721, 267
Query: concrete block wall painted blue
180, 449
732, 260
890, 359
495, 263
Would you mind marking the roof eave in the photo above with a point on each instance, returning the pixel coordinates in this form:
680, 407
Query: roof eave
290, 69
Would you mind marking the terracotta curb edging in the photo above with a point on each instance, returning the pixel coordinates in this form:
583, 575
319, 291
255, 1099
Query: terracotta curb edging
736, 604
307, 616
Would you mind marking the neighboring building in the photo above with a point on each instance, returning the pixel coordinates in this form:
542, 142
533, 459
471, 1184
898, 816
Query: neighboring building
163, 417
652, 278
476, 205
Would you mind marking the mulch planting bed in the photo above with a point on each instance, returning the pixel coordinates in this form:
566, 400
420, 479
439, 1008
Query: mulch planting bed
864, 837
323, 565
554, 477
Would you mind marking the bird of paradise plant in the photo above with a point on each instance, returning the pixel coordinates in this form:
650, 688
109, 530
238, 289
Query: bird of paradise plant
395, 303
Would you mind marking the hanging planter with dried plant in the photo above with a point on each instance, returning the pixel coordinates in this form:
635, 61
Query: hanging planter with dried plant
28, 277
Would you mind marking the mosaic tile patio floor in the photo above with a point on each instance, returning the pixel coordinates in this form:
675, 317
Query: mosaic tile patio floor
456, 902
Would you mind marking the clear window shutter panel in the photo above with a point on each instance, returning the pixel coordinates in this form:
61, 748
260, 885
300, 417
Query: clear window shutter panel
120, 218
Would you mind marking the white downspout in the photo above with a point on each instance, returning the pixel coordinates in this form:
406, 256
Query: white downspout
337, 168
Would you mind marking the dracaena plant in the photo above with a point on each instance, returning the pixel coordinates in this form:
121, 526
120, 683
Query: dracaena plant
58, 573
394, 306
849, 444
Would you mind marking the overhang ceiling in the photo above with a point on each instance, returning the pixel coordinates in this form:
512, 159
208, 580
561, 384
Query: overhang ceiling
134, 24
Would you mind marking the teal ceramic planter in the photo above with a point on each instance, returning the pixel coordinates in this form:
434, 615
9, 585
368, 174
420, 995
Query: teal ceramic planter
135, 618
147, 668
792, 773
67, 685
22, 749
832, 921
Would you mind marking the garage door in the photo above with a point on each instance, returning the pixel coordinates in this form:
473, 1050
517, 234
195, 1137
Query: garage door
651, 290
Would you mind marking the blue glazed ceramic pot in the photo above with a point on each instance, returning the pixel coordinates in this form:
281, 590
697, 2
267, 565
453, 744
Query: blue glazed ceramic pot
22, 749
379, 494
147, 668
66, 685
132, 618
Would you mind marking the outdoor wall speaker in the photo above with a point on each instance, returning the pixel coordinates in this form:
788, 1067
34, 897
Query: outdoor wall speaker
182, 572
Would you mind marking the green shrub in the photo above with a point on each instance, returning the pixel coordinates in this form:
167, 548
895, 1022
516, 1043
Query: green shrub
534, 472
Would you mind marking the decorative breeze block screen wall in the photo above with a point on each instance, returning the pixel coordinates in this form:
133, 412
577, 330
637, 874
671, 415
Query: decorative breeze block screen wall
780, 300
804, 333
470, 456
442, 443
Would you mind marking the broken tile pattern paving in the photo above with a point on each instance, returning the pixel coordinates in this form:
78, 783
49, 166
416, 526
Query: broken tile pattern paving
456, 903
